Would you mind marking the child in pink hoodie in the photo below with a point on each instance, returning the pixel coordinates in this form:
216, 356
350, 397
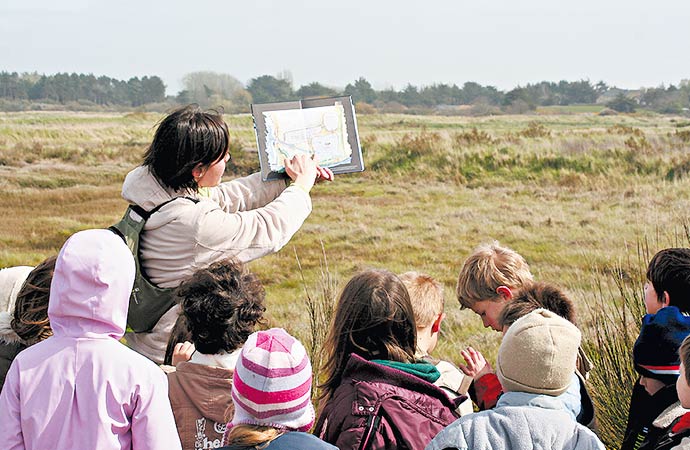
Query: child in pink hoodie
81, 388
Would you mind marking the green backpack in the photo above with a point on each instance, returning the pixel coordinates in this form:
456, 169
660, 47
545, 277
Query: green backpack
148, 302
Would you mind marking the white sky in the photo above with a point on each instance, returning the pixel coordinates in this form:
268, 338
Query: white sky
627, 43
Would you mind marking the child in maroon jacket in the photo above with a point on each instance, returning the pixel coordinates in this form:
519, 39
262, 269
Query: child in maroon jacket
376, 394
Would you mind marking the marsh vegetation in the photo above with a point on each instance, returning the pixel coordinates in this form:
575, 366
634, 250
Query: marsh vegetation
576, 194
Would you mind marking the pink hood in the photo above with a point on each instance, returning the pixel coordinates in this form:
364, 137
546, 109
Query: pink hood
93, 279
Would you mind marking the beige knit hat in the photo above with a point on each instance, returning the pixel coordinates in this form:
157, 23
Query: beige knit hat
538, 354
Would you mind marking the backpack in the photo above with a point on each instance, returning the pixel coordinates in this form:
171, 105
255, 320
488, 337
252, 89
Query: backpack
148, 302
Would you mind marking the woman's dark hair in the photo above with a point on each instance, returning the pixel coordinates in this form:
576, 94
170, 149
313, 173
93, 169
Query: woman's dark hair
222, 304
374, 319
178, 335
185, 138
30, 320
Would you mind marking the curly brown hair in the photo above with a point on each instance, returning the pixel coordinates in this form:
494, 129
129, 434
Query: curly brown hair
30, 320
535, 296
222, 303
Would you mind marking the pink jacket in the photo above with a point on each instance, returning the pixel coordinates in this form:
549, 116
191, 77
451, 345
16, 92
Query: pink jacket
81, 388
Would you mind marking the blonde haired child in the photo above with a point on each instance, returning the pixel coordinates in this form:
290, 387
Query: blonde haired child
491, 276
426, 296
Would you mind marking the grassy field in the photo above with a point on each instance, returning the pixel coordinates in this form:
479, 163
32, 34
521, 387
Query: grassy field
573, 193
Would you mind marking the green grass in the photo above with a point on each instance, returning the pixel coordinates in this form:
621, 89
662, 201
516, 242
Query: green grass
573, 193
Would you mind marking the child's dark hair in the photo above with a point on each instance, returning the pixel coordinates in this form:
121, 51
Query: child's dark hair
222, 304
536, 296
374, 319
178, 335
30, 320
185, 138
684, 353
669, 271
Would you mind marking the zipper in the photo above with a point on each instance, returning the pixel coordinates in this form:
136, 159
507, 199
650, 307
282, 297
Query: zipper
371, 425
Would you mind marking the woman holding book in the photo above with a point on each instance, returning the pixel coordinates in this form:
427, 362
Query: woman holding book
208, 221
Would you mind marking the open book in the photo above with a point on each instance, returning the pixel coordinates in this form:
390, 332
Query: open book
325, 128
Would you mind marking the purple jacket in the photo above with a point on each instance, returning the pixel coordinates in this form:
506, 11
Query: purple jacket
81, 388
378, 407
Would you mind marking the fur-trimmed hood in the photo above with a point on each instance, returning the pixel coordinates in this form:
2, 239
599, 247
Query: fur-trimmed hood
7, 334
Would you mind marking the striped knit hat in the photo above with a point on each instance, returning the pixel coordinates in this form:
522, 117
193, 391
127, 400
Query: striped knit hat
272, 383
655, 353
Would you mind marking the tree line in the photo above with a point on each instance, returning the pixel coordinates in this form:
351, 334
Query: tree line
63, 88
211, 89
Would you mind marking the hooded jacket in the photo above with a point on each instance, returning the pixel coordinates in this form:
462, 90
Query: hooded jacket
81, 388
200, 396
245, 218
520, 420
380, 407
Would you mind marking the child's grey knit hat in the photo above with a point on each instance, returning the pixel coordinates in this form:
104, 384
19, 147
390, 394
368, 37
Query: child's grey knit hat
538, 354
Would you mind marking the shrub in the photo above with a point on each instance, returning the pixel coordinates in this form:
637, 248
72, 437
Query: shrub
638, 144
320, 308
473, 137
535, 130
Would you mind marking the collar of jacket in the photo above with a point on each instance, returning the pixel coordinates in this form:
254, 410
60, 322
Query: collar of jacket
360, 369
421, 369
529, 399
668, 415
682, 424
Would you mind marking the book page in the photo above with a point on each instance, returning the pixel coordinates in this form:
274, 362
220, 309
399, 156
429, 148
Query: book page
320, 131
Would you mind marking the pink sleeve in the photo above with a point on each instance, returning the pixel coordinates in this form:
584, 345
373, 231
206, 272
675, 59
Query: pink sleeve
10, 413
153, 424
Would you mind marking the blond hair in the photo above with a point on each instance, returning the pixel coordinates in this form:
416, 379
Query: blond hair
257, 436
487, 268
426, 296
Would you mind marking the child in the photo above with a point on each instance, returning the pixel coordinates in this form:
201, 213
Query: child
25, 322
668, 280
489, 278
539, 295
81, 388
376, 395
656, 359
271, 393
221, 305
677, 434
426, 296
668, 284
535, 364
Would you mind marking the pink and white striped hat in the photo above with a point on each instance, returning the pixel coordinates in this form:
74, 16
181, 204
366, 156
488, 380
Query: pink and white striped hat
272, 382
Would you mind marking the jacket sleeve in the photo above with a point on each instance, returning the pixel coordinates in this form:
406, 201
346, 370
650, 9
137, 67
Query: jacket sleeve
153, 424
485, 391
248, 235
247, 193
10, 413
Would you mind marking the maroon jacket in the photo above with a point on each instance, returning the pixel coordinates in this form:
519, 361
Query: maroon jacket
378, 407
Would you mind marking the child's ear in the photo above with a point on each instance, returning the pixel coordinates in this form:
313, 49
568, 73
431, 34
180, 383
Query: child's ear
665, 300
436, 326
198, 171
504, 292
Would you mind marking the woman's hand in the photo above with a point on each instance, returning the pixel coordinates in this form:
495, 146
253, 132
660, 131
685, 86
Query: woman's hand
302, 170
477, 366
324, 174
183, 352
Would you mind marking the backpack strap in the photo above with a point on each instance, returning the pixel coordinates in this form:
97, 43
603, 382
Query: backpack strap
148, 302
